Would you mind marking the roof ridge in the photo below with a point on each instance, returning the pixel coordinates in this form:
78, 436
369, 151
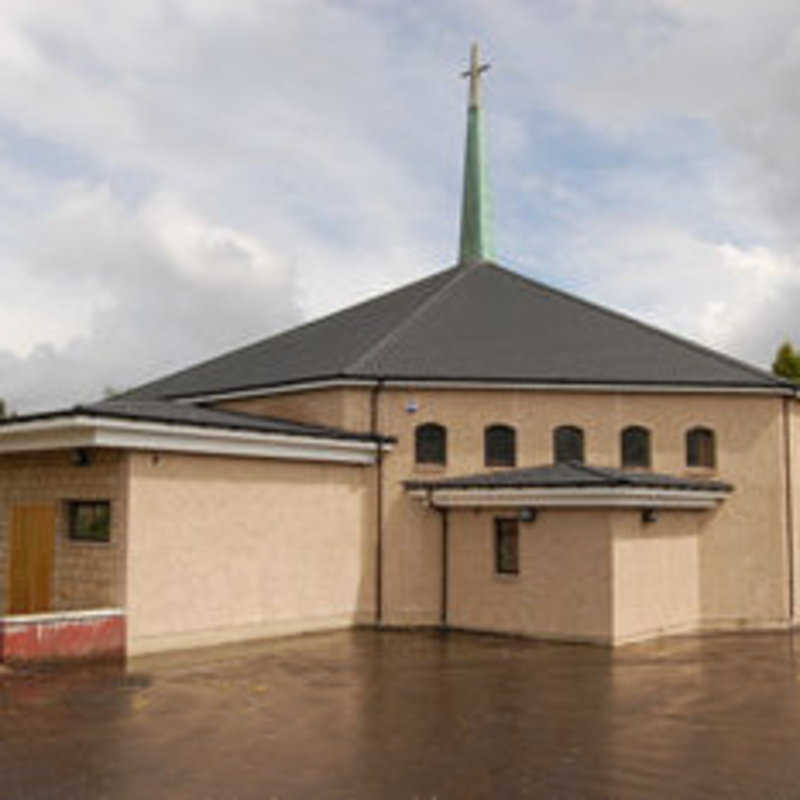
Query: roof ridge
685, 342
393, 334
262, 340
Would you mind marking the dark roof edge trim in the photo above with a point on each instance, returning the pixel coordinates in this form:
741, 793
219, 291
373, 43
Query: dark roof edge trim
88, 411
688, 486
344, 380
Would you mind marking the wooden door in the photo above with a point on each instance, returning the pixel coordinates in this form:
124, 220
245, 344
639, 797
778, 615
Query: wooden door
31, 562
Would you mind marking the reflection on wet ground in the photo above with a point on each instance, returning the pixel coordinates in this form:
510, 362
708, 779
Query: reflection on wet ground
363, 714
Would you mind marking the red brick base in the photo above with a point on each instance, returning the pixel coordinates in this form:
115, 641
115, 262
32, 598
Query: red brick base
64, 636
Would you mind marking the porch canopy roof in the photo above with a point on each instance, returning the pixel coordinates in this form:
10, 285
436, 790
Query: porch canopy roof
570, 485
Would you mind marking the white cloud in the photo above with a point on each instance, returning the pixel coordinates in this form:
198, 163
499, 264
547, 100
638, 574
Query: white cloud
726, 296
180, 177
157, 288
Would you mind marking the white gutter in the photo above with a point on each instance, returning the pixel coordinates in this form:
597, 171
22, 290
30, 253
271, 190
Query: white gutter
88, 431
411, 385
572, 497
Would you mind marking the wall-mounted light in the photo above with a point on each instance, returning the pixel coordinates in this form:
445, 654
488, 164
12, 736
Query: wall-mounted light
527, 515
412, 406
649, 515
80, 457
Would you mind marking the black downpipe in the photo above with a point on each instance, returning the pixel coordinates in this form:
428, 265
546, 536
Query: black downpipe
445, 564
787, 440
378, 506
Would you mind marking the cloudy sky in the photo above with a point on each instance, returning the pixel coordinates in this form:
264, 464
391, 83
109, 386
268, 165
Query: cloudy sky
179, 177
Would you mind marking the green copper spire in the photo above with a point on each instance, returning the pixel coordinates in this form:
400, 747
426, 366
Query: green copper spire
475, 241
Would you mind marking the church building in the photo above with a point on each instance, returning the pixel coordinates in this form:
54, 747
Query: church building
474, 451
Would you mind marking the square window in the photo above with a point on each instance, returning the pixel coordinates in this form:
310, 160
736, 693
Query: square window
90, 521
506, 546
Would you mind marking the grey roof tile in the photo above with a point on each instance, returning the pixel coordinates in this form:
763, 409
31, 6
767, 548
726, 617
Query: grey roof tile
477, 323
170, 412
570, 474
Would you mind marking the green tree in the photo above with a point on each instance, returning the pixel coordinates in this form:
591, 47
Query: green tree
2, 408
787, 362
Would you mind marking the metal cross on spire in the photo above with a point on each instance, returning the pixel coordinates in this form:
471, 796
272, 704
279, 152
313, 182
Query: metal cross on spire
474, 75
475, 243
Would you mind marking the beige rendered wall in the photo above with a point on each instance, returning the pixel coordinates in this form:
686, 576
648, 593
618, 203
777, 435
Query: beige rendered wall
742, 551
742, 557
85, 574
655, 568
590, 575
224, 549
563, 589
347, 408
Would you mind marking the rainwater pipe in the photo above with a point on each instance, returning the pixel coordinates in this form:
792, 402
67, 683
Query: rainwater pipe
787, 444
373, 413
445, 557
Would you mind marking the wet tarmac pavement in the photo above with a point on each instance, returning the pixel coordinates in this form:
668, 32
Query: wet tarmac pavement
416, 716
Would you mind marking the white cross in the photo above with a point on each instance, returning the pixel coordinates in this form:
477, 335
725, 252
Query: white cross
474, 73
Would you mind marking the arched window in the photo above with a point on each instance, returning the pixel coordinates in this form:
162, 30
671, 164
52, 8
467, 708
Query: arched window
635, 447
700, 448
431, 443
567, 444
499, 446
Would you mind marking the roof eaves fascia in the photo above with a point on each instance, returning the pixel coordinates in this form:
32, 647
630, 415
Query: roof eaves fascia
621, 485
398, 381
61, 431
313, 431
553, 384
569, 497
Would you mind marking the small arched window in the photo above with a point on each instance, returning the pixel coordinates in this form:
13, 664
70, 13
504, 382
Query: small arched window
700, 448
635, 447
499, 446
431, 443
567, 444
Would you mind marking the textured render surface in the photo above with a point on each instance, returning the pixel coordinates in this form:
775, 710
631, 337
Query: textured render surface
602, 576
564, 586
35, 639
347, 408
365, 715
224, 549
742, 557
655, 569
85, 574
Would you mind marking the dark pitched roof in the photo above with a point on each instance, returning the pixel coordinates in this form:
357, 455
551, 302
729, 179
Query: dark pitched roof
170, 412
478, 323
570, 475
